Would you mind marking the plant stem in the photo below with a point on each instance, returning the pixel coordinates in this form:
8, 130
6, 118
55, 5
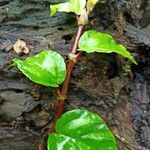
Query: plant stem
75, 45
64, 90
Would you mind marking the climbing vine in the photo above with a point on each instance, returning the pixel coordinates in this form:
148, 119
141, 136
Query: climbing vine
78, 128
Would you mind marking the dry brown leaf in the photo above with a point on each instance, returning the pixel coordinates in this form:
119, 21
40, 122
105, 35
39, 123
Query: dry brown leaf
20, 47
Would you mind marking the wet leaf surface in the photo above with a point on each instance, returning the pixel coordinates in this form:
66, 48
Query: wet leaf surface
93, 41
81, 129
47, 68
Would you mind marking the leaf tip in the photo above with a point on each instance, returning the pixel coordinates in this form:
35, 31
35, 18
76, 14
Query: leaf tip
53, 10
134, 61
15, 61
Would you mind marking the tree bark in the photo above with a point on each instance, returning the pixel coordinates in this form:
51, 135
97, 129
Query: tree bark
26, 108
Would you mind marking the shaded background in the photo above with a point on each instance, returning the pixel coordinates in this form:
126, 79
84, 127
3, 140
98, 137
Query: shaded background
106, 84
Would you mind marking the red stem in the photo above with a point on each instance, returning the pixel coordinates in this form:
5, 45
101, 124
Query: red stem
64, 90
75, 45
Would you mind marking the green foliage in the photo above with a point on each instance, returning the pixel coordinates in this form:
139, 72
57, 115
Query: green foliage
91, 4
47, 68
76, 129
81, 130
93, 41
76, 6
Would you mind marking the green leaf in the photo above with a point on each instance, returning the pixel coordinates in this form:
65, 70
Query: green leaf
75, 6
93, 41
81, 130
63, 7
91, 4
47, 68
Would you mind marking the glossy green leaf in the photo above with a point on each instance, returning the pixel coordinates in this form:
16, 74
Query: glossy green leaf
93, 41
47, 68
81, 130
75, 6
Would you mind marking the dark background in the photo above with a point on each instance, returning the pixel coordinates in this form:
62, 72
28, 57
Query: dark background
106, 84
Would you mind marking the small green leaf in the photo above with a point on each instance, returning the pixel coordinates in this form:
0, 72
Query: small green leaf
91, 4
63, 7
75, 6
93, 41
47, 68
81, 130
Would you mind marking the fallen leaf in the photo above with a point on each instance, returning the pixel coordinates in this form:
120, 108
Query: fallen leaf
20, 47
